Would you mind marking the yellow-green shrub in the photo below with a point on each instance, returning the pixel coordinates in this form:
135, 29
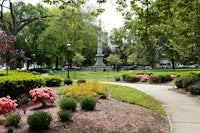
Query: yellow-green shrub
90, 88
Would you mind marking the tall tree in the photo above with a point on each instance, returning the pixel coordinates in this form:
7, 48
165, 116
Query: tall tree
15, 16
72, 27
138, 23
118, 40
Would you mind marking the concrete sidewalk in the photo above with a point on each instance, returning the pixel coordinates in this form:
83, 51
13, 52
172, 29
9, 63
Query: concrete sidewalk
183, 110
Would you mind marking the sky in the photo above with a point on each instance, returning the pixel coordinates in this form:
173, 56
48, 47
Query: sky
110, 18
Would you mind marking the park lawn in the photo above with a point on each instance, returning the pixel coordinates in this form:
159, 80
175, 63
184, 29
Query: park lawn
176, 71
100, 76
130, 95
111, 75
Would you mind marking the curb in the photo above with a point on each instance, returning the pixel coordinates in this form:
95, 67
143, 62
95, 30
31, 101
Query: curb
170, 124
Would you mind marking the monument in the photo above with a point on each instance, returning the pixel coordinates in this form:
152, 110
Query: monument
99, 65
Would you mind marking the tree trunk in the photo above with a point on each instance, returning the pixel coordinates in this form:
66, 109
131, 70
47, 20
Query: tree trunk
57, 62
173, 63
28, 64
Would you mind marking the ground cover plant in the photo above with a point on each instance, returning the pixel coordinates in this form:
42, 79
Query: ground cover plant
90, 88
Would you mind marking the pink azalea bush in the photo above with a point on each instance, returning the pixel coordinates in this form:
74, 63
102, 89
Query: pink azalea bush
144, 78
45, 95
7, 105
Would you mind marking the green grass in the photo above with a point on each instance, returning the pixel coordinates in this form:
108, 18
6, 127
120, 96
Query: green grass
130, 95
110, 75
101, 76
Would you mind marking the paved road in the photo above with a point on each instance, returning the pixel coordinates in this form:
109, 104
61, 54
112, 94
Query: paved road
183, 110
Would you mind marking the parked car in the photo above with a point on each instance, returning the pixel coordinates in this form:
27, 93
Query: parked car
4, 68
194, 66
130, 67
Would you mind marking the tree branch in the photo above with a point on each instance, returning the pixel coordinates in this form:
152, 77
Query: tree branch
13, 16
2, 6
26, 22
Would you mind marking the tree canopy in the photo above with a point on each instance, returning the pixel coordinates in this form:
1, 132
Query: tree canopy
162, 28
153, 29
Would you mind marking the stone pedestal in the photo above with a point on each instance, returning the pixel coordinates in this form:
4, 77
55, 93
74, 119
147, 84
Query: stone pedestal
99, 65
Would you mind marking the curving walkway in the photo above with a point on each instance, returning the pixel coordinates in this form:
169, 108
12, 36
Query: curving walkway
183, 110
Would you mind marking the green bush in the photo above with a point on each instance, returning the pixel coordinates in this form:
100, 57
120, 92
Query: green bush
53, 81
81, 81
131, 78
155, 79
124, 77
186, 80
12, 120
165, 78
117, 79
65, 115
39, 120
88, 103
189, 80
68, 81
68, 103
179, 81
160, 78
19, 83
40, 70
195, 89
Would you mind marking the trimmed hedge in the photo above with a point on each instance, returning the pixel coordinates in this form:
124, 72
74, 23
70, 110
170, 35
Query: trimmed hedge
155, 79
68, 81
81, 81
195, 89
53, 81
117, 78
190, 80
40, 70
160, 78
186, 80
131, 78
178, 81
19, 83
